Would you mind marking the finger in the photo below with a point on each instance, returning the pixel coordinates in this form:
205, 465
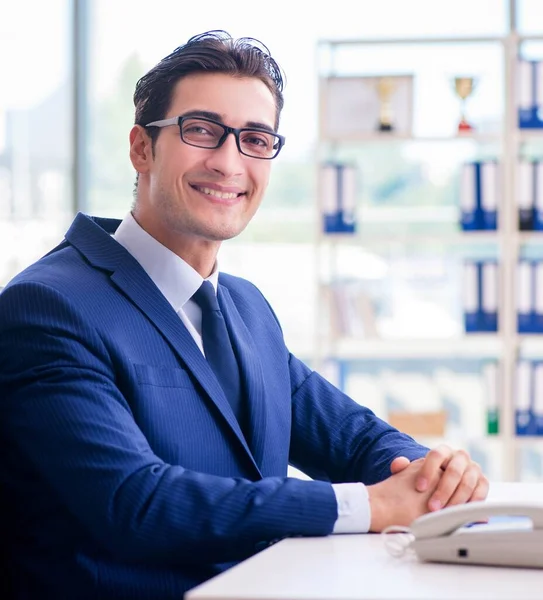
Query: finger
481, 489
452, 476
436, 459
399, 464
467, 486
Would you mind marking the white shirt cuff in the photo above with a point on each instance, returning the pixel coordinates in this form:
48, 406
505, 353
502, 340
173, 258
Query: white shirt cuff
353, 507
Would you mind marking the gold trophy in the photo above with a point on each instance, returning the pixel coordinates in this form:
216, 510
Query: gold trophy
464, 86
385, 89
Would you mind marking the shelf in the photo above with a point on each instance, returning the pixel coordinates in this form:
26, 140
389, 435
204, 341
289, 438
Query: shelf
388, 138
399, 230
458, 238
472, 346
530, 345
409, 41
444, 239
485, 39
527, 135
531, 38
528, 440
531, 237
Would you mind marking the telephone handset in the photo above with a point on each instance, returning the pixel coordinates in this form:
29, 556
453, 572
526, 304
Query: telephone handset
458, 534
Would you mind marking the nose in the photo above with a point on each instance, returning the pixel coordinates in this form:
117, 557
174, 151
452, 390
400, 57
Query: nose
226, 159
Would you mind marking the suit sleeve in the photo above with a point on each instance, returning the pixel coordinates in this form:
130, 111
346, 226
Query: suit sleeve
335, 439
62, 413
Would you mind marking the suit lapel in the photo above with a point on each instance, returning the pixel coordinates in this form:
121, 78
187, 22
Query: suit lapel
88, 236
250, 371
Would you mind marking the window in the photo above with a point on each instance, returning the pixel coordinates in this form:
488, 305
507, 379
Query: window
35, 131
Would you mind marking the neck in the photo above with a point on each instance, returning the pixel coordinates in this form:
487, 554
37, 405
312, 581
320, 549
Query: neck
199, 253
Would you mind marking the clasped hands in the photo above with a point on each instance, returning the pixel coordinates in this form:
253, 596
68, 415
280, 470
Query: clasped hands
444, 477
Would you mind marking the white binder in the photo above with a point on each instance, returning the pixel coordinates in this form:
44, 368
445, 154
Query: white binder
524, 288
538, 192
537, 399
523, 398
348, 192
538, 91
538, 291
471, 297
489, 186
468, 188
489, 291
329, 188
525, 87
525, 186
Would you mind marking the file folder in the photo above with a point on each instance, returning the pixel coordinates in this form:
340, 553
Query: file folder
492, 400
348, 197
329, 194
538, 194
489, 296
537, 314
530, 94
337, 182
489, 181
526, 192
524, 296
469, 207
471, 297
523, 398
537, 399
525, 92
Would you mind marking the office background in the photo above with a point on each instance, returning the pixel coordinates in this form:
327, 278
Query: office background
68, 70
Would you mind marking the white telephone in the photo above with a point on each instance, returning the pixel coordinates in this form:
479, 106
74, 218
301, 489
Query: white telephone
457, 534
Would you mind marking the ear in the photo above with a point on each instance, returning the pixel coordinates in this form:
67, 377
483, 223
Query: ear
141, 154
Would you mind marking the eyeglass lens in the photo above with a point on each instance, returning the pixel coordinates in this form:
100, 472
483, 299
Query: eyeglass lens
206, 134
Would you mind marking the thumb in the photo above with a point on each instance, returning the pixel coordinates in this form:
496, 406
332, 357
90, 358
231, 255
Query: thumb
399, 464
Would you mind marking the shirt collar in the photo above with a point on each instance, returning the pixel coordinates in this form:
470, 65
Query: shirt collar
175, 278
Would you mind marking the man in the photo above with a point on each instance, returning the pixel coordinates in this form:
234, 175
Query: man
133, 465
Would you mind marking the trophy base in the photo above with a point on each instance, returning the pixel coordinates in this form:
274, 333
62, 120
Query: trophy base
385, 127
464, 126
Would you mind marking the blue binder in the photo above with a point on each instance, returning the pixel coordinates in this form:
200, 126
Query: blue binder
479, 196
481, 296
338, 189
530, 114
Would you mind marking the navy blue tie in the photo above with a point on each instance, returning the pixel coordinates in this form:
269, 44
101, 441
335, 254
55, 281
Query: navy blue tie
218, 348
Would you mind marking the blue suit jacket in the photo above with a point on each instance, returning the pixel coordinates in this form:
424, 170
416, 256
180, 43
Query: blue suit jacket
124, 473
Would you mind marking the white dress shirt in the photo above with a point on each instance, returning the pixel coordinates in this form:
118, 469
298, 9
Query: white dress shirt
178, 282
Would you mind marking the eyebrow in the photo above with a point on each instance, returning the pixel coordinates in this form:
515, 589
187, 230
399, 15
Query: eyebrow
217, 117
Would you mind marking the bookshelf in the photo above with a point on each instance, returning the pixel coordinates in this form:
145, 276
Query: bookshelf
505, 142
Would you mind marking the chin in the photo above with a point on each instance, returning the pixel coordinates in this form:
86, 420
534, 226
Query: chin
223, 234
223, 231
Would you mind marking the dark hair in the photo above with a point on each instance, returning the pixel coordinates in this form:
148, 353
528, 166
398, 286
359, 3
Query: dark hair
209, 52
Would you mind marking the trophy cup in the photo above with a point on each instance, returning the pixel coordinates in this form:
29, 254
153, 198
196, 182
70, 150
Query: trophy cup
385, 88
464, 86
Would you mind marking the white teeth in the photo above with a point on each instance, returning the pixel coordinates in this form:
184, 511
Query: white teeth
216, 193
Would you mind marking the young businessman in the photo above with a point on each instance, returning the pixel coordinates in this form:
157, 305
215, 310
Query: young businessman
146, 436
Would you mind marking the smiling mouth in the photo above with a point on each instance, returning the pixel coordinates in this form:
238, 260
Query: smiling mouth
222, 195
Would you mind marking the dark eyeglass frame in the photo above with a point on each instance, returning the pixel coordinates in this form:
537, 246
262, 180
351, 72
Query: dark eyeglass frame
227, 131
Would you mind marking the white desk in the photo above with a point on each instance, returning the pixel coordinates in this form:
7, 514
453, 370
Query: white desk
358, 567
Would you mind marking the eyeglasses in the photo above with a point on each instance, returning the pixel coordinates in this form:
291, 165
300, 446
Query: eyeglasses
207, 133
